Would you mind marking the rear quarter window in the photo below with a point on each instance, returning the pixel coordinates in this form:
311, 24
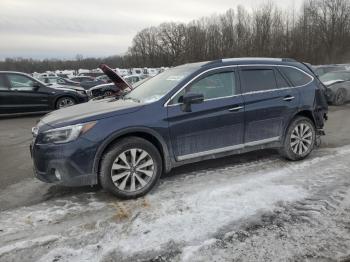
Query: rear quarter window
295, 76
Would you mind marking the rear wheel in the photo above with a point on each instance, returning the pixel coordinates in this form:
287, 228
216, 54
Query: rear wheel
340, 97
299, 140
130, 168
65, 102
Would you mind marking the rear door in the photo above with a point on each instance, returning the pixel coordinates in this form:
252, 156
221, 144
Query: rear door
269, 102
30, 96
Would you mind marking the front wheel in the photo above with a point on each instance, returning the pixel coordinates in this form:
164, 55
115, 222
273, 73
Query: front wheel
65, 102
299, 140
130, 168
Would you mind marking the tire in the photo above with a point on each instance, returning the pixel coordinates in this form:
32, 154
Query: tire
299, 140
339, 97
133, 176
64, 101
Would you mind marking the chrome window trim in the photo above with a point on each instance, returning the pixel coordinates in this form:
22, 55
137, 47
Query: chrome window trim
227, 148
166, 104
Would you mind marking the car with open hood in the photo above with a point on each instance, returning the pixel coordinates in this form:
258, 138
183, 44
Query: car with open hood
119, 85
21, 93
185, 114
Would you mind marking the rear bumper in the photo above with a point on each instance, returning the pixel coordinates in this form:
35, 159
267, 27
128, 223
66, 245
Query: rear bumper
65, 164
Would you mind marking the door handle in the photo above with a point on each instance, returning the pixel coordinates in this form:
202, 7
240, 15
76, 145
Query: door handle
237, 108
288, 98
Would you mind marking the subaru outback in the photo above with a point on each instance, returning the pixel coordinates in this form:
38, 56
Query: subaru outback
186, 114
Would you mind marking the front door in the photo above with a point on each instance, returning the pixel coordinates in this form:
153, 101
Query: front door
8, 103
213, 126
30, 95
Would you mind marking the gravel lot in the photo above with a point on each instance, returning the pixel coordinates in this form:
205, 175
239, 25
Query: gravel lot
255, 207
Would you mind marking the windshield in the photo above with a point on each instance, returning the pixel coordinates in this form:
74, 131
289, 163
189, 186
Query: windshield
335, 76
158, 86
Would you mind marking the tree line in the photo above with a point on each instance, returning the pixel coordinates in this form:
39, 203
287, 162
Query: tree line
319, 33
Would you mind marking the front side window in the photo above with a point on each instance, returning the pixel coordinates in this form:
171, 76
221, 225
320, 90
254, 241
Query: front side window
20, 82
296, 77
258, 80
213, 86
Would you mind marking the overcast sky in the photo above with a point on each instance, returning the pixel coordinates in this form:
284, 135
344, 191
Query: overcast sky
64, 28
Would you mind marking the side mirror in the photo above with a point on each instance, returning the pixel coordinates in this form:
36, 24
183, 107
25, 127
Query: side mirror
189, 99
36, 86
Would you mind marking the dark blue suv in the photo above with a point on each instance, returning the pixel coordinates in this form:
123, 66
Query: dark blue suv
186, 114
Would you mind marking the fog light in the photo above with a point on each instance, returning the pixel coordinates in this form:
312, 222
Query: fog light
57, 174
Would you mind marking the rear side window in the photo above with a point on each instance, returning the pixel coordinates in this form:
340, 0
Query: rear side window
296, 77
281, 82
258, 80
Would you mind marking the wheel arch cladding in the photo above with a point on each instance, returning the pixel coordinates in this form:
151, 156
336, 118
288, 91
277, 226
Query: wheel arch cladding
303, 113
151, 136
307, 114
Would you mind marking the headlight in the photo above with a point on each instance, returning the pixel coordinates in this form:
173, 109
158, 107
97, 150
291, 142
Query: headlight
66, 134
81, 92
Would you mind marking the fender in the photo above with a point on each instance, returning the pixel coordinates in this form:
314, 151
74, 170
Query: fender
168, 163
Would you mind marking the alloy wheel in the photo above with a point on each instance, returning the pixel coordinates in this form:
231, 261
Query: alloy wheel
301, 139
132, 170
65, 102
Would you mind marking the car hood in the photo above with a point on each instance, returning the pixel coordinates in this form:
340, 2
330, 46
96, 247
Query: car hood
90, 111
66, 87
115, 77
101, 86
332, 82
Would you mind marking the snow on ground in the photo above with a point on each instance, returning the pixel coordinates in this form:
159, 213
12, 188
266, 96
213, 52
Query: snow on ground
262, 210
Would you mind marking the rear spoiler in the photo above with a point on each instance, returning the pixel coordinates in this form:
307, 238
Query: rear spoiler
115, 77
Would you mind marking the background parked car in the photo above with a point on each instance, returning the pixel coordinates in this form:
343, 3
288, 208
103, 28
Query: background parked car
21, 93
82, 78
59, 80
109, 89
338, 84
323, 69
132, 79
97, 81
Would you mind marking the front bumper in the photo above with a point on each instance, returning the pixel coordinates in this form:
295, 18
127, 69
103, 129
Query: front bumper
69, 164
82, 98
